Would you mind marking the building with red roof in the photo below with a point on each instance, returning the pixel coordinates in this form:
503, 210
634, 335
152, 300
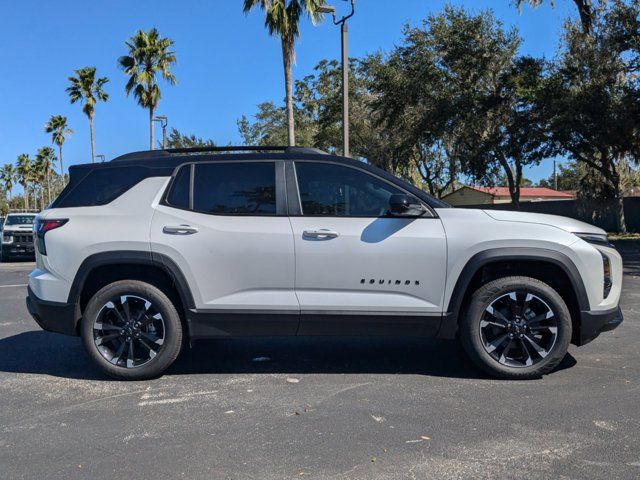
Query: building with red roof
471, 195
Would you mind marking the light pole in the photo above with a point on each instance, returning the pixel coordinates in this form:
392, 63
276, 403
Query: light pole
345, 69
163, 123
99, 155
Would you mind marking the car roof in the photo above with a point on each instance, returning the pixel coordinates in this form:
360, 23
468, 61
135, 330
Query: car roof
165, 161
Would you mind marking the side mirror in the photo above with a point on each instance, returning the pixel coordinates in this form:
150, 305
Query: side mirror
402, 204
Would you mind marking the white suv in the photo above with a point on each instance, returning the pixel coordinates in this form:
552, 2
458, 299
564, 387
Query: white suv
17, 236
143, 253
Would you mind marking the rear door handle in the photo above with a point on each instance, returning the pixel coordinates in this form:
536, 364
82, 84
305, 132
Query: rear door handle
320, 233
179, 229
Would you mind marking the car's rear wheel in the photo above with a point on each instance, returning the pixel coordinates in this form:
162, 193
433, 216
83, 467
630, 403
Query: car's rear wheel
132, 330
516, 327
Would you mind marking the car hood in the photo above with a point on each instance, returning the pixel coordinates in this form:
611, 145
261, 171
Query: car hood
565, 223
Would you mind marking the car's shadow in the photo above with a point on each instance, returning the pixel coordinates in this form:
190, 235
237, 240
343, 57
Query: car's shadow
39, 352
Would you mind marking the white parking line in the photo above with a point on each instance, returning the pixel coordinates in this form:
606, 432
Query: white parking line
13, 286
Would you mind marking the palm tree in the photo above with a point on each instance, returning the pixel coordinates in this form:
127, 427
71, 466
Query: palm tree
282, 18
149, 54
85, 87
44, 159
8, 176
59, 130
25, 167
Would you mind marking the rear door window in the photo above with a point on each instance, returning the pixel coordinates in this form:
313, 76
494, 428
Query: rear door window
235, 188
178, 196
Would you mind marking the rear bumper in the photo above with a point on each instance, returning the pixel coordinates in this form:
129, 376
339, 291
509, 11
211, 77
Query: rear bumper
53, 316
593, 323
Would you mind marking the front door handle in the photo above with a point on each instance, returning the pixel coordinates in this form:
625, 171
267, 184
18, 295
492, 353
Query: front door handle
179, 229
320, 233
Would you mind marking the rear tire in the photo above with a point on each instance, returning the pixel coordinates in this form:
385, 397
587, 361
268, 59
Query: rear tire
516, 328
132, 330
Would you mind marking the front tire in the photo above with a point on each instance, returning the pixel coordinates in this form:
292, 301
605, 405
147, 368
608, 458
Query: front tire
516, 328
132, 330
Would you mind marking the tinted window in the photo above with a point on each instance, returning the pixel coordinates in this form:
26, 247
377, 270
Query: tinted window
20, 219
101, 186
179, 194
235, 188
333, 190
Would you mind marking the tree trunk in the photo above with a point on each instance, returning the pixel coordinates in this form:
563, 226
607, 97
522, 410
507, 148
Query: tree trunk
513, 183
25, 185
586, 14
286, 59
93, 143
150, 128
61, 164
48, 186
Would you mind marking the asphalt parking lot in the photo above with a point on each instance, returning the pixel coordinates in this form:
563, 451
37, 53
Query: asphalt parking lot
316, 408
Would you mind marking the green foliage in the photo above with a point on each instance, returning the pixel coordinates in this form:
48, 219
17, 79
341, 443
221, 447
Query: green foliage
58, 128
148, 55
179, 140
592, 98
269, 126
87, 89
282, 19
457, 99
8, 175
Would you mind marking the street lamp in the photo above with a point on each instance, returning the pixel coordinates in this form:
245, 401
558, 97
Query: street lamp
345, 69
163, 123
99, 155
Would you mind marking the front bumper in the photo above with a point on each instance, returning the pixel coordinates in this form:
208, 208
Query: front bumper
53, 316
18, 249
593, 323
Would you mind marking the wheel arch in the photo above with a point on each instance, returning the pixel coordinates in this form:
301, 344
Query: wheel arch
102, 268
547, 265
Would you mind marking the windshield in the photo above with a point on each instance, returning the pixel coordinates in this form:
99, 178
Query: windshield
20, 220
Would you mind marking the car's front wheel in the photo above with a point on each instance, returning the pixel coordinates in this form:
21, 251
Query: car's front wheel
516, 327
132, 330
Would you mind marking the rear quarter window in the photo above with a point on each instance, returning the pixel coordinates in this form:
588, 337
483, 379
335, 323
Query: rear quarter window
101, 186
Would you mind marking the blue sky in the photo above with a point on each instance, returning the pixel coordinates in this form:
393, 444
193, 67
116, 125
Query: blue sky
227, 63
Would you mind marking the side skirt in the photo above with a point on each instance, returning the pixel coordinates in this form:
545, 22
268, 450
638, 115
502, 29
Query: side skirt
233, 323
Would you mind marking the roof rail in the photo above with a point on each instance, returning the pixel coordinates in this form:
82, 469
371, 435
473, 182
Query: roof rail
163, 153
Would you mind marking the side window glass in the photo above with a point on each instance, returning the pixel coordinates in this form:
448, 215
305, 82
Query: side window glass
235, 188
179, 194
333, 190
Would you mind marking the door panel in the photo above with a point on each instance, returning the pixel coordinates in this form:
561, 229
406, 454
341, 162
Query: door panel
378, 265
359, 270
239, 266
233, 262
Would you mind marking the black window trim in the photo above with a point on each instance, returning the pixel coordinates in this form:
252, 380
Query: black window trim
293, 185
279, 170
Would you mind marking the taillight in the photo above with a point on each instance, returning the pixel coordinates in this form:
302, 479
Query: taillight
42, 226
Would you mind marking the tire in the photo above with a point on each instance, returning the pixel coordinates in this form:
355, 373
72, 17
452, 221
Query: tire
109, 332
508, 332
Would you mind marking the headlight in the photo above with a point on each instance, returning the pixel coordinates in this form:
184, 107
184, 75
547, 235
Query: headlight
606, 267
595, 238
603, 240
7, 238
